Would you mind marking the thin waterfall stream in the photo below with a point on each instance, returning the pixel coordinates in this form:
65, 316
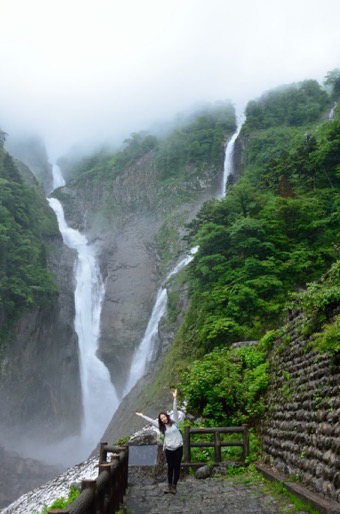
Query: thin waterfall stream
229, 153
144, 353
98, 393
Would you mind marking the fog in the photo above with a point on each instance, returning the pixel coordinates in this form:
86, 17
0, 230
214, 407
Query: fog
78, 71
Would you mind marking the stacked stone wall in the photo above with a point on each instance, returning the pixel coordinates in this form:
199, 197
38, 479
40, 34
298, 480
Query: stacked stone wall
301, 431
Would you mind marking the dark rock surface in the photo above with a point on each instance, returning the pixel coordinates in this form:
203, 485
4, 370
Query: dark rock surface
19, 475
40, 394
300, 433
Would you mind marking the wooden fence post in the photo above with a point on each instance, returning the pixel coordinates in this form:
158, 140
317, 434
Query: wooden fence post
187, 451
91, 485
245, 452
217, 442
102, 453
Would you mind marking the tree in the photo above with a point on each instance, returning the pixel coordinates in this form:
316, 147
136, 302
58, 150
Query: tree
332, 79
3, 136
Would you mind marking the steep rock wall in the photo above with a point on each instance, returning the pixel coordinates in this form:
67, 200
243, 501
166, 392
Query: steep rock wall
123, 217
40, 395
301, 432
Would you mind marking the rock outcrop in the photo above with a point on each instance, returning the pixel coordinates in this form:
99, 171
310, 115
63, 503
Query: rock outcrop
123, 217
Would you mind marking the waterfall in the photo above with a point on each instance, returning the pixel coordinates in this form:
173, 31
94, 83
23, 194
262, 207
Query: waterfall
146, 350
332, 111
98, 394
229, 153
58, 179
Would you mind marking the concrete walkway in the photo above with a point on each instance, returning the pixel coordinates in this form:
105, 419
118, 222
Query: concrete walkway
209, 496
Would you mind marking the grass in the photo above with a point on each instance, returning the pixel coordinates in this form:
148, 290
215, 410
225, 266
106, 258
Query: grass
275, 489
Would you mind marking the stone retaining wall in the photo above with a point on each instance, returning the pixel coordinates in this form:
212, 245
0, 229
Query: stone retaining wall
301, 431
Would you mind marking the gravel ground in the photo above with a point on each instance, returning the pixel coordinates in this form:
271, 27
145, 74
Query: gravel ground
208, 496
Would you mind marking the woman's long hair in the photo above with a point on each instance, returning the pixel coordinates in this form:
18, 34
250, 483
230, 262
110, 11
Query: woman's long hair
161, 425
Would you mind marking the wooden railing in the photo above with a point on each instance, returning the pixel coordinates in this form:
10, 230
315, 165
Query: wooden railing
105, 494
217, 444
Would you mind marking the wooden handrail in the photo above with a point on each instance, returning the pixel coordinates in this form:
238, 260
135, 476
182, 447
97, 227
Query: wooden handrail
105, 494
217, 444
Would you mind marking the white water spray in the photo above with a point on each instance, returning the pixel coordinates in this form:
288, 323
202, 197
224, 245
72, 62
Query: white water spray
98, 394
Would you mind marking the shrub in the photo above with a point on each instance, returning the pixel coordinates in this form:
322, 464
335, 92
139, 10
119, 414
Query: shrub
226, 385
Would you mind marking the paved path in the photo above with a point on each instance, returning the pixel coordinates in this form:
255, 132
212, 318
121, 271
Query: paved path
208, 496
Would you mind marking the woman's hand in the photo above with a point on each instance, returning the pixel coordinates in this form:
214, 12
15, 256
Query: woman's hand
139, 414
174, 394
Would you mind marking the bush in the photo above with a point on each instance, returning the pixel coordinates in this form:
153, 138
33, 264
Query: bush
226, 385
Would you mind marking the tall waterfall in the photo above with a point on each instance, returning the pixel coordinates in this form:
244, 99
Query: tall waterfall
98, 394
332, 111
145, 351
229, 152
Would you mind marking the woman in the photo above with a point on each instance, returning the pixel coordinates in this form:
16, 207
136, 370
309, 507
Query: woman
173, 443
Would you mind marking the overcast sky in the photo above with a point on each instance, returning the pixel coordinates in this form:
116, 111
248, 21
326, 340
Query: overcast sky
91, 70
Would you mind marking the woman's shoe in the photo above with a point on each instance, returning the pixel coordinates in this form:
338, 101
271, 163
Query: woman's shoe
168, 489
173, 489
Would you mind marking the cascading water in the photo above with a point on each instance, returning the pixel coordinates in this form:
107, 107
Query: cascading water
98, 394
58, 179
229, 152
145, 352
332, 111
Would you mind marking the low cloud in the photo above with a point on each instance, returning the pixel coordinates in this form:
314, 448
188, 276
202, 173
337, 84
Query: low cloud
87, 71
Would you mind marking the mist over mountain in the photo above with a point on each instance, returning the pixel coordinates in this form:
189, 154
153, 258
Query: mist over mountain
143, 200
128, 66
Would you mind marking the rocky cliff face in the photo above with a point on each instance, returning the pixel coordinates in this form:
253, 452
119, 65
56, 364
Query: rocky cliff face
123, 217
40, 396
40, 389
32, 152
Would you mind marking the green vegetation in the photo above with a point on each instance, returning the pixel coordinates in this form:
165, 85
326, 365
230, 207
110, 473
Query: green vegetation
26, 222
332, 80
195, 143
276, 231
289, 503
293, 105
226, 386
318, 302
61, 503
199, 143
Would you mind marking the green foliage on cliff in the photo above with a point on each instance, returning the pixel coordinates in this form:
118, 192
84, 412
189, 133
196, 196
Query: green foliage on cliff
319, 302
332, 80
294, 105
275, 231
25, 221
196, 141
226, 386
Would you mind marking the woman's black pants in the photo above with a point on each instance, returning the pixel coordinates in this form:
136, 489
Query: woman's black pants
174, 459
